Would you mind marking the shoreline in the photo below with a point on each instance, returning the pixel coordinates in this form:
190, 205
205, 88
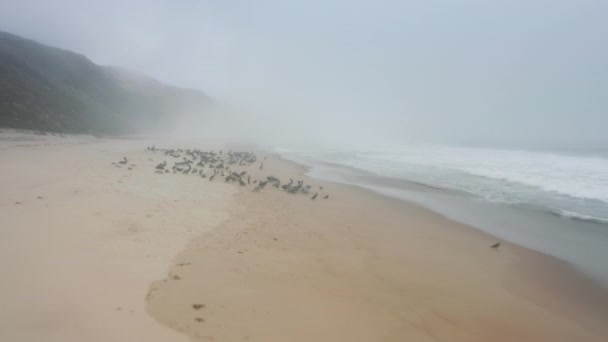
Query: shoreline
570, 240
557, 264
235, 243
542, 261
126, 254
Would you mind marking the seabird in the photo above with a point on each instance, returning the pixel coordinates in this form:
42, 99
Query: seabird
496, 245
123, 162
314, 196
288, 185
326, 196
161, 166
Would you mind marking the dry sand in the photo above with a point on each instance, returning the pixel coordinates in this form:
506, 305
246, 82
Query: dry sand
218, 262
76, 263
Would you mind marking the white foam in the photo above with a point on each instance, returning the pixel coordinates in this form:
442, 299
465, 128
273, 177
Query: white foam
581, 177
577, 216
555, 182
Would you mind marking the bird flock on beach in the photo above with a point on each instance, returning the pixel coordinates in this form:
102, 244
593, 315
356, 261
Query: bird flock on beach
220, 164
216, 165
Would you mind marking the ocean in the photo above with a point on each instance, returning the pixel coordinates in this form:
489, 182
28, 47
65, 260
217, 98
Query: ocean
552, 202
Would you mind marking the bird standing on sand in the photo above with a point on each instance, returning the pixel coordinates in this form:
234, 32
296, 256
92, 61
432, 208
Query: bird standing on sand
496, 245
123, 162
314, 196
326, 196
161, 165
288, 185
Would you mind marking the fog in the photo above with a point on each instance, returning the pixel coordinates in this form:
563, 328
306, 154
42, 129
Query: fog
357, 73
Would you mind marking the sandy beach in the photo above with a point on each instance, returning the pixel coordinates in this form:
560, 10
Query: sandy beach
94, 252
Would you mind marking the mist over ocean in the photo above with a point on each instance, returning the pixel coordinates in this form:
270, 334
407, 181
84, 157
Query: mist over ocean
552, 201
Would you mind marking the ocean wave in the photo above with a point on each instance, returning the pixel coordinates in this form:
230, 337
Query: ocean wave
576, 176
573, 186
580, 217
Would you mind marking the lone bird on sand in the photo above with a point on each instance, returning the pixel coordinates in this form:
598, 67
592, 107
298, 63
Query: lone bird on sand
314, 196
123, 162
496, 245
326, 196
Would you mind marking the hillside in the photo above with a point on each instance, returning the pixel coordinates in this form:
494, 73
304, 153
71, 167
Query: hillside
47, 88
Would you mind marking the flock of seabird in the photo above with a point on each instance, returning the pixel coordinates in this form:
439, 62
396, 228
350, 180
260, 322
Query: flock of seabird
211, 164
220, 164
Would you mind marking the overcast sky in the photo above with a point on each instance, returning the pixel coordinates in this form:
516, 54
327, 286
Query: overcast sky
515, 72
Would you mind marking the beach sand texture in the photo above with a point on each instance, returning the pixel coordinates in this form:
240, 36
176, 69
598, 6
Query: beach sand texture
93, 252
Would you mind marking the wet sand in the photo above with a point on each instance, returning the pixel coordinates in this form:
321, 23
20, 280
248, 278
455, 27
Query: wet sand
362, 267
111, 254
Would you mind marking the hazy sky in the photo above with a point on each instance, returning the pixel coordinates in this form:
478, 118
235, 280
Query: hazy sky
518, 72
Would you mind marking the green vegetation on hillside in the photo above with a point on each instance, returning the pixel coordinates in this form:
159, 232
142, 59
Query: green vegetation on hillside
50, 89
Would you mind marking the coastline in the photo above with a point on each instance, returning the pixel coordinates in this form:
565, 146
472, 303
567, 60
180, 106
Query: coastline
109, 253
362, 266
578, 242
543, 269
